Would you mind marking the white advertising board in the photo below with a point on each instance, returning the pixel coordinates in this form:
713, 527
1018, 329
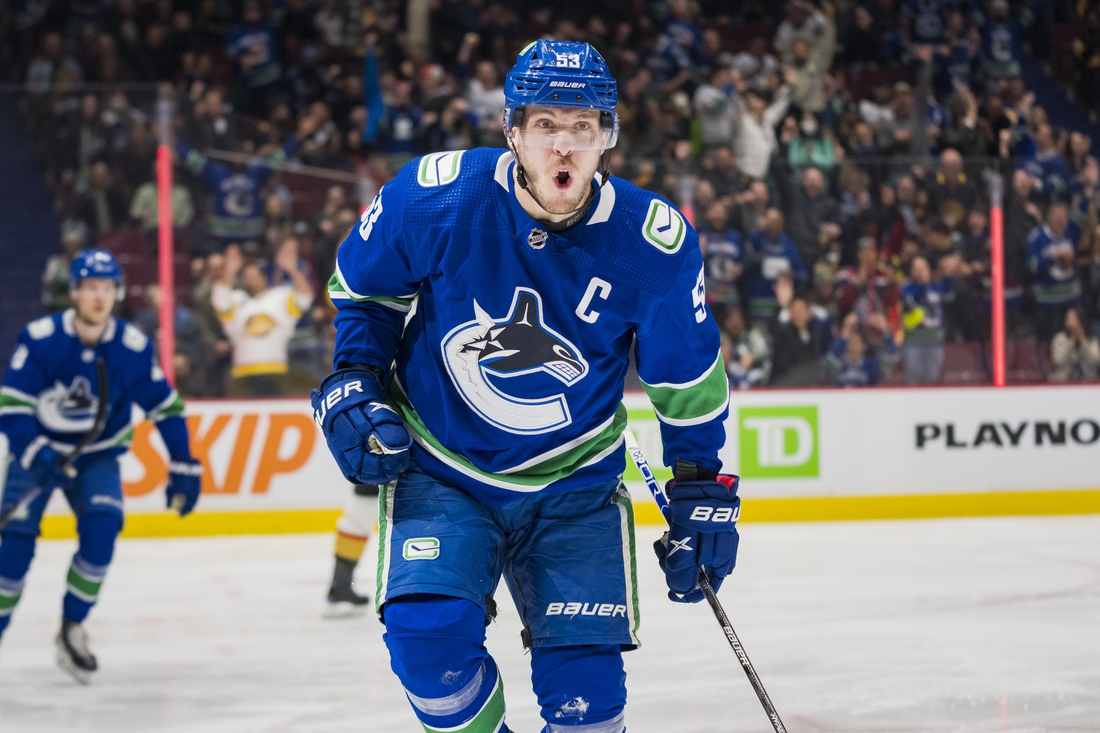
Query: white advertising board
266, 456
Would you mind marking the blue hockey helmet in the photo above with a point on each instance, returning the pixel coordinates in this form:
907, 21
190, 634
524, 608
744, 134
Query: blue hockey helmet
95, 263
562, 74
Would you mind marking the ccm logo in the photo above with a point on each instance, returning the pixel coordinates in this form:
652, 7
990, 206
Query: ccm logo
335, 396
710, 514
586, 609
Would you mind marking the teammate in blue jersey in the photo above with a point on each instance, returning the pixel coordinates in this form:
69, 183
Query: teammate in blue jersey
238, 207
489, 302
47, 404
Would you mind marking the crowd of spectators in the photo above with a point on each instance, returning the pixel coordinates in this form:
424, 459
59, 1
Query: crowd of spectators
835, 159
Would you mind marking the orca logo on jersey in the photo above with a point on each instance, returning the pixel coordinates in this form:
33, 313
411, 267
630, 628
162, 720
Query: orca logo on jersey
68, 409
480, 352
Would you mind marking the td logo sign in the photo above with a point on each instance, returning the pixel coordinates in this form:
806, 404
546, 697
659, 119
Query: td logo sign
778, 442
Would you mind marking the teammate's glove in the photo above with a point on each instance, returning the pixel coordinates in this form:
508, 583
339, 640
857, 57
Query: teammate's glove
364, 434
44, 466
184, 484
702, 534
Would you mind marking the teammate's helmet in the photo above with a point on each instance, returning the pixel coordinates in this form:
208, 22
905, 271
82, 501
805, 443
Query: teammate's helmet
562, 74
94, 263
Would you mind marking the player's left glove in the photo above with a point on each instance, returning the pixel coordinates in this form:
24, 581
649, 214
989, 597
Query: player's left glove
702, 534
184, 484
365, 435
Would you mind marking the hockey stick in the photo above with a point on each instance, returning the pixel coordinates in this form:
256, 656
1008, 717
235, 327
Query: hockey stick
704, 583
66, 465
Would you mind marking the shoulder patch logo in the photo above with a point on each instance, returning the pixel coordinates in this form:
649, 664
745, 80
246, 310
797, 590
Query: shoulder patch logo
40, 329
133, 339
439, 169
664, 228
486, 355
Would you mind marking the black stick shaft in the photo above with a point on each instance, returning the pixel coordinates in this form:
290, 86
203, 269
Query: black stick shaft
704, 583
742, 657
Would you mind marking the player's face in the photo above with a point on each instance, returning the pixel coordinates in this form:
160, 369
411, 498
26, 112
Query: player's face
94, 299
560, 149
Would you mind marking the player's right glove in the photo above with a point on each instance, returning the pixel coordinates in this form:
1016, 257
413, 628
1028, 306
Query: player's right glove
365, 435
702, 534
44, 466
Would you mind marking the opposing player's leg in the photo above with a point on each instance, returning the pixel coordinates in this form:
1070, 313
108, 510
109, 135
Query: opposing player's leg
17, 541
96, 499
574, 581
352, 533
439, 561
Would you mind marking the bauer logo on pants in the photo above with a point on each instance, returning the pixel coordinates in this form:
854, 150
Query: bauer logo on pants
421, 548
778, 442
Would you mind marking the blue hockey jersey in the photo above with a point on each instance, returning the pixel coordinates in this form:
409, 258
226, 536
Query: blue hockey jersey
238, 206
509, 374
50, 389
1053, 281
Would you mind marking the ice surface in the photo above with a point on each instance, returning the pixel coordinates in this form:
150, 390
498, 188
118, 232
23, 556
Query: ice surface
887, 627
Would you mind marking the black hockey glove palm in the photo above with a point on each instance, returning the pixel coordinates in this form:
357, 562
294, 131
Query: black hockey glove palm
365, 435
702, 534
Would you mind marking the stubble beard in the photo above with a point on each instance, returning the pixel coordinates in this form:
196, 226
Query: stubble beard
547, 195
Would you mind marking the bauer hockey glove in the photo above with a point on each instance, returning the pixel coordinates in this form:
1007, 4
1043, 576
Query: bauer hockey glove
184, 485
702, 534
365, 435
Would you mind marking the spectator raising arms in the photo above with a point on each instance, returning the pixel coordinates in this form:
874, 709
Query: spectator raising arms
259, 320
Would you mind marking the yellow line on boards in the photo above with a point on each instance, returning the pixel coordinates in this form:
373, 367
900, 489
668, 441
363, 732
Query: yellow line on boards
798, 509
924, 506
207, 524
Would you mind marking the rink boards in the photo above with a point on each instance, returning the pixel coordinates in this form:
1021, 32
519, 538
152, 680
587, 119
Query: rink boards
803, 455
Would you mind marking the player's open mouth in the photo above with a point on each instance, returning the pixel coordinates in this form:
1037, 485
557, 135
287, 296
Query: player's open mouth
563, 178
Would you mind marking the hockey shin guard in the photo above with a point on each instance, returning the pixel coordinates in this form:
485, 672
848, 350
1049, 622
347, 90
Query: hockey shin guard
582, 689
16, 553
437, 649
89, 566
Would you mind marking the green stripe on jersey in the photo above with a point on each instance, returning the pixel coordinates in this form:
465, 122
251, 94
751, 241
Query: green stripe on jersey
489, 719
173, 408
13, 402
691, 403
337, 291
537, 473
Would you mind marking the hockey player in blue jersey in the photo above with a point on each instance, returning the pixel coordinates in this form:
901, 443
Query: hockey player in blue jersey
47, 403
492, 416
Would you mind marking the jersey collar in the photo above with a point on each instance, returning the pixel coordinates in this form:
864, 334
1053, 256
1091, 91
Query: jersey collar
67, 325
521, 223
